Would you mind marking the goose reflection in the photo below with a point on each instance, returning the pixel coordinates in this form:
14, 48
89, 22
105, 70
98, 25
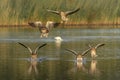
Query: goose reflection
33, 59
33, 64
58, 41
81, 65
93, 49
93, 68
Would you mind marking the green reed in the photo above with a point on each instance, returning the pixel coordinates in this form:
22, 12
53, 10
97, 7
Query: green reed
92, 11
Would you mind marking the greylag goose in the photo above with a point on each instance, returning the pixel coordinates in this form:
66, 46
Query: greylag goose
64, 14
79, 56
44, 28
93, 49
33, 53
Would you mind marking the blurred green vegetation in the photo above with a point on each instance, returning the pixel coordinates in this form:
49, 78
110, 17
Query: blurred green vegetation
92, 11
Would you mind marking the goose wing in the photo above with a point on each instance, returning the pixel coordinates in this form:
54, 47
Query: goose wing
74, 52
51, 24
90, 46
71, 12
55, 12
26, 47
35, 24
99, 45
40, 46
86, 51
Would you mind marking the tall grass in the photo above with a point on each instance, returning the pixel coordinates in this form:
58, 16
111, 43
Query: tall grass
92, 11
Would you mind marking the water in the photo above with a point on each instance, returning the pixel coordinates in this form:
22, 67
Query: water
54, 62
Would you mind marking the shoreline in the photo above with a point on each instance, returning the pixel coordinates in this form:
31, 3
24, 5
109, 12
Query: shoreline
70, 25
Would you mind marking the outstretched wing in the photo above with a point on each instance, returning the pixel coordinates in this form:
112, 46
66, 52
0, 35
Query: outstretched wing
90, 46
71, 12
74, 52
86, 51
26, 47
35, 24
99, 45
40, 46
55, 12
51, 24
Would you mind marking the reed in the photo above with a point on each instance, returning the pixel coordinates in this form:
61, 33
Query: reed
92, 11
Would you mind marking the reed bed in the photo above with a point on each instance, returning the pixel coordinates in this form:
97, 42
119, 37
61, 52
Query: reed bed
17, 12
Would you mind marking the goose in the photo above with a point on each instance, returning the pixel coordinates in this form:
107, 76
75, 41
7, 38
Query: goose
79, 56
33, 59
93, 49
33, 53
64, 14
44, 28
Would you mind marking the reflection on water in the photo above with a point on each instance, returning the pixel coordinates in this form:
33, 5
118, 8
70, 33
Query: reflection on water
33, 65
81, 66
54, 63
93, 68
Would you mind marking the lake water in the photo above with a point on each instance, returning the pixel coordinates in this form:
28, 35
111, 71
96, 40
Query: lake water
54, 62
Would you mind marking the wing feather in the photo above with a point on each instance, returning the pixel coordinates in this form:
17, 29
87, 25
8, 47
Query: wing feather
99, 45
40, 46
51, 24
72, 51
86, 51
35, 24
71, 12
26, 47
56, 12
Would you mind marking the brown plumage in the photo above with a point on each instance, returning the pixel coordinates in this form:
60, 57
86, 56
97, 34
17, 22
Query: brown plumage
44, 28
79, 56
33, 53
63, 14
93, 49
33, 58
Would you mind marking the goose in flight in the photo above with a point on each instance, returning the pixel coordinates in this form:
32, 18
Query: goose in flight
93, 49
44, 28
79, 56
33, 53
63, 14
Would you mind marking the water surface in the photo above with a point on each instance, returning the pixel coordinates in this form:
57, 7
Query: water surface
54, 63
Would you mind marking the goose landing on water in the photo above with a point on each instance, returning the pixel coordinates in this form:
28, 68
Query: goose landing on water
63, 14
79, 56
44, 28
33, 58
33, 53
93, 49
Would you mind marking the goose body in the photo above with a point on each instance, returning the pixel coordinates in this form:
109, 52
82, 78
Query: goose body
64, 14
33, 53
93, 50
44, 28
79, 56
